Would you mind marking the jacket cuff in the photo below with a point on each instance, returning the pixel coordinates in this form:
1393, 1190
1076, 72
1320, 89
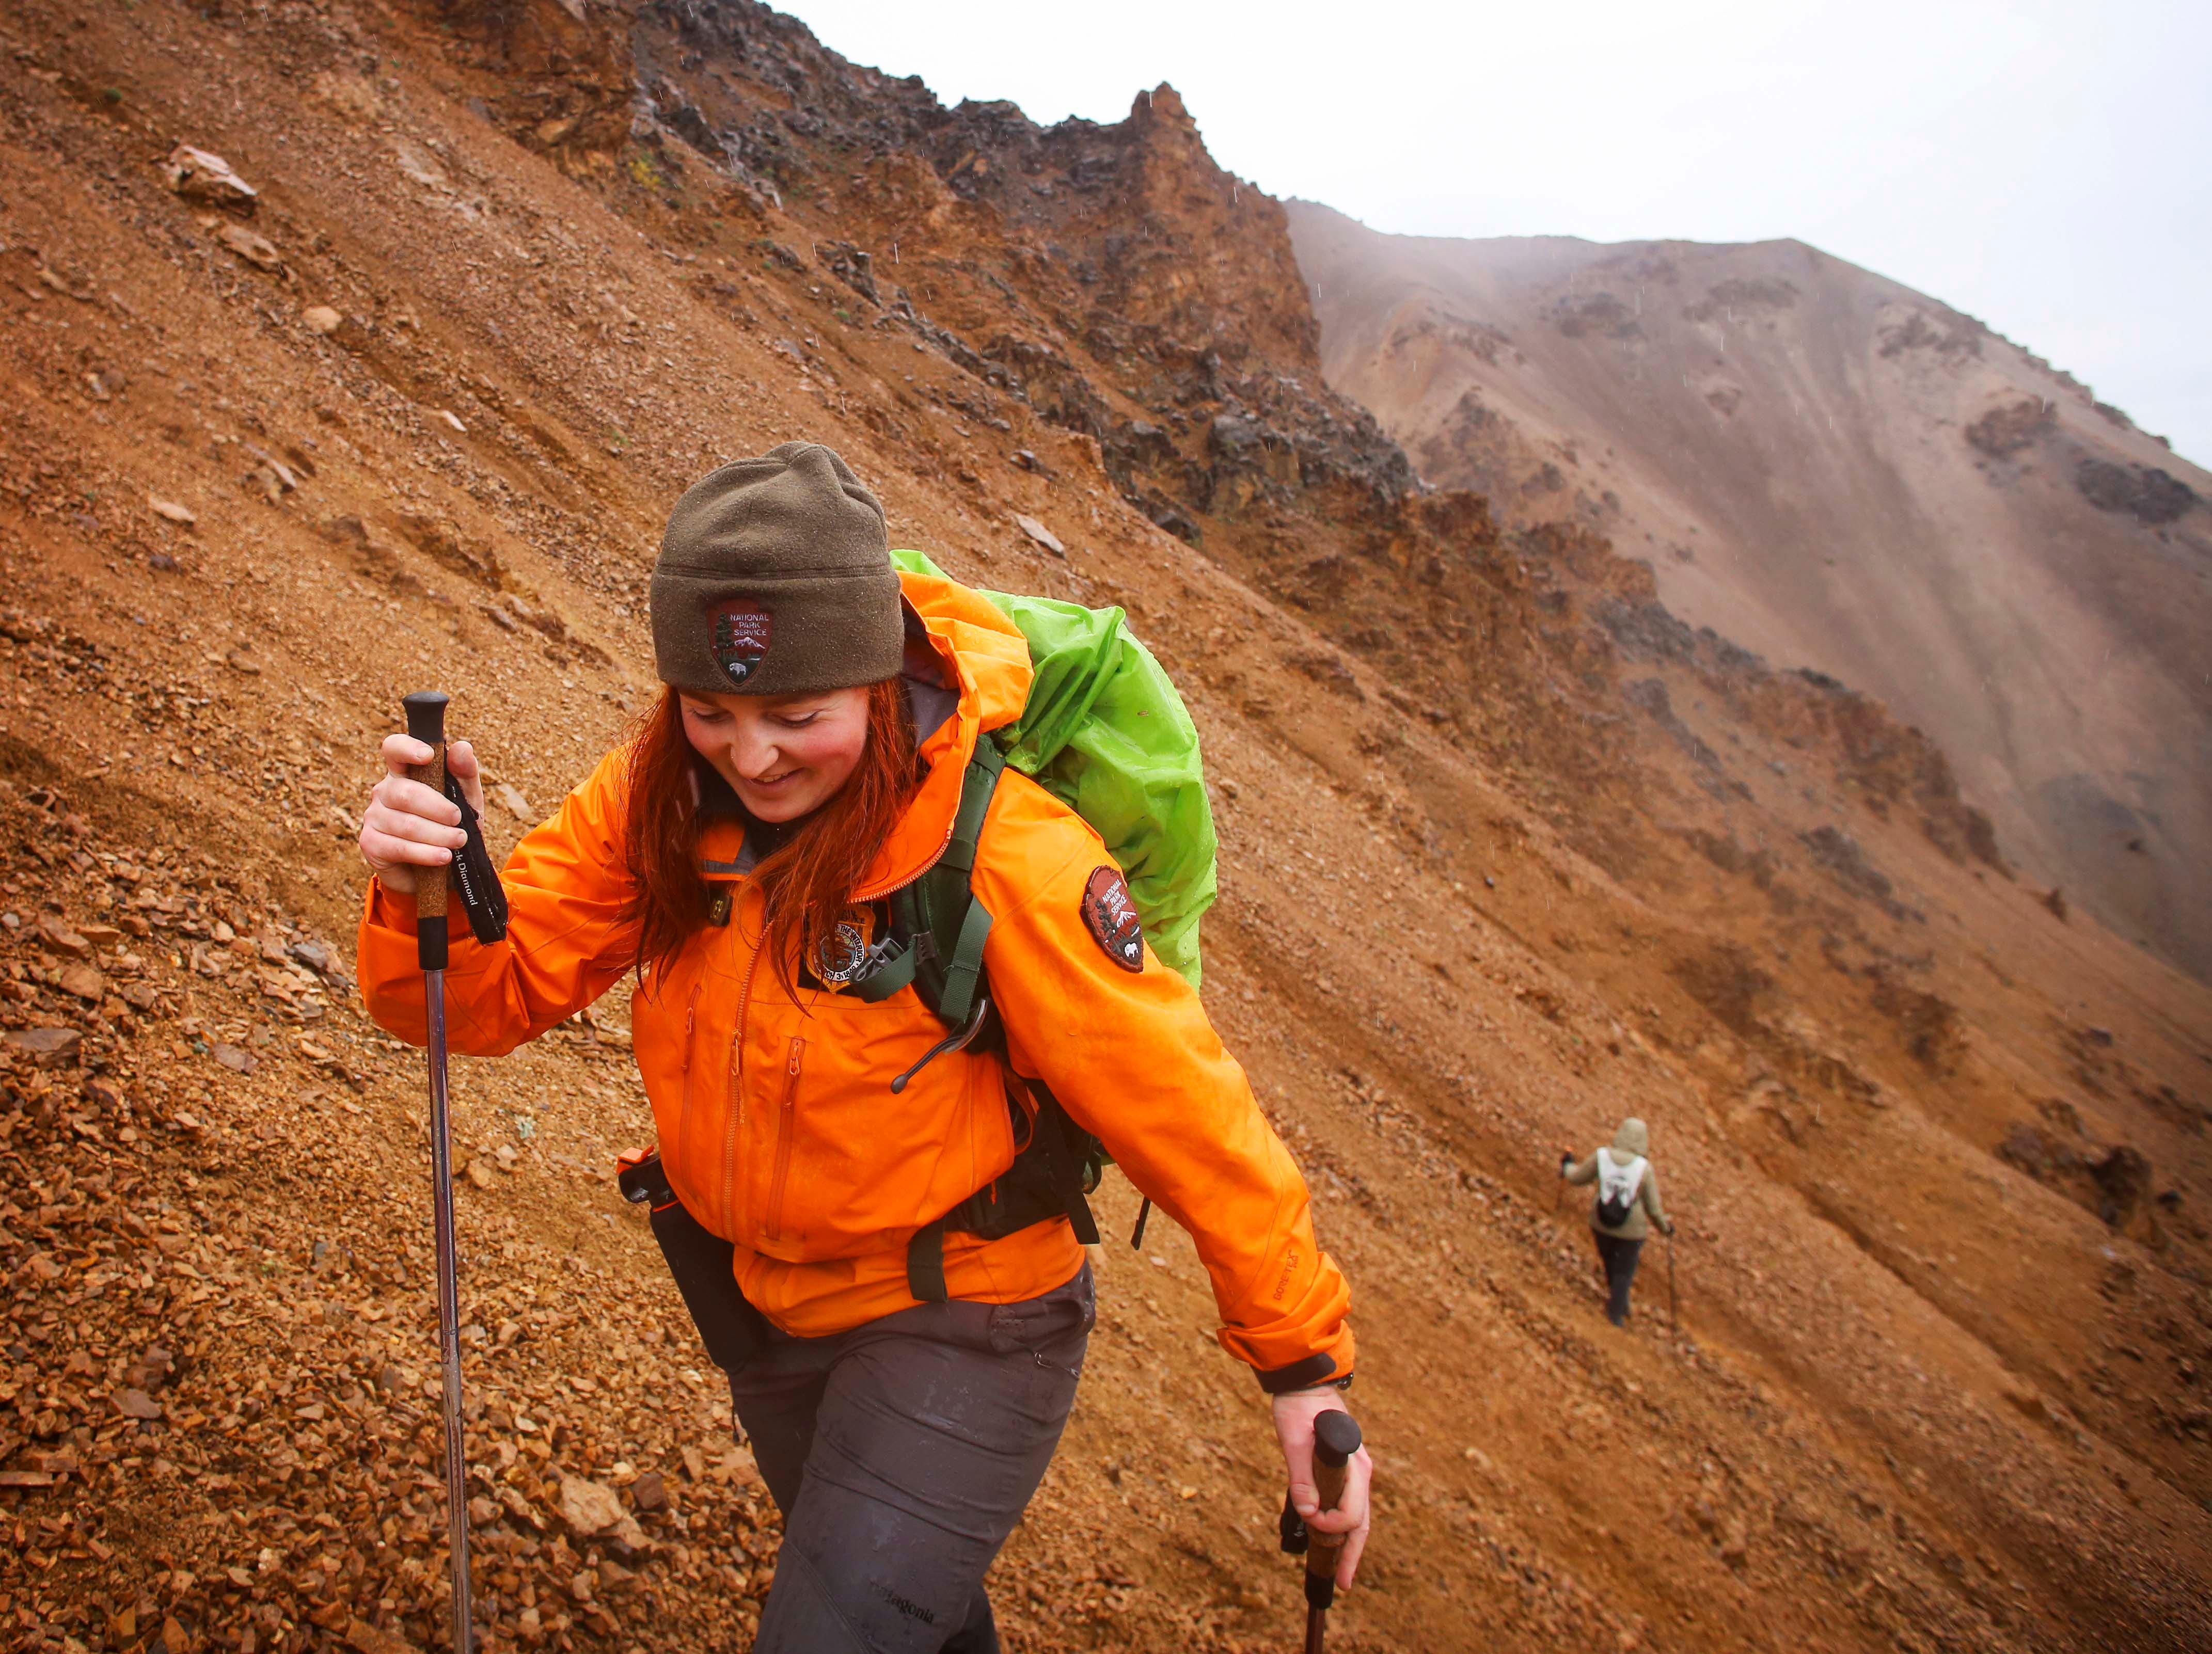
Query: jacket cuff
1316, 1369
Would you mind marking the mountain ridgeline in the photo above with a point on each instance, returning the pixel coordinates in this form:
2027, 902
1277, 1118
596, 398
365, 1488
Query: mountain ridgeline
1846, 476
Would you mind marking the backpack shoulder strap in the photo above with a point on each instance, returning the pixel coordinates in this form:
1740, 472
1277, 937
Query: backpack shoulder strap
937, 927
963, 956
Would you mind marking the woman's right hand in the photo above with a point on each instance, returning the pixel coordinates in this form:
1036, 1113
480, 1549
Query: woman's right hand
1295, 1412
407, 826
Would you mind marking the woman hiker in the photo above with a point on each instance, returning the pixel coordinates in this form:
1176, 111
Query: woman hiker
1625, 1206
804, 761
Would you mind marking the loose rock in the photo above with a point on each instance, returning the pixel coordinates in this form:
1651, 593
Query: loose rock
48, 1047
138, 1404
1037, 531
198, 175
255, 248
591, 1510
63, 940
364, 1638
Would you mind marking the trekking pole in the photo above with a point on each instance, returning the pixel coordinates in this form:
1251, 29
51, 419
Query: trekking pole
426, 721
1336, 1438
1673, 1325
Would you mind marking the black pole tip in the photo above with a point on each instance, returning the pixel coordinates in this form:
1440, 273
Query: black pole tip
1336, 1437
426, 715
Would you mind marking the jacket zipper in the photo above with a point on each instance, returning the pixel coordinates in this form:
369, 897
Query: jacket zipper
785, 1130
736, 1111
737, 1054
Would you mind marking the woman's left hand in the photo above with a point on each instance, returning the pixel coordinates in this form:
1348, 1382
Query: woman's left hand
1294, 1428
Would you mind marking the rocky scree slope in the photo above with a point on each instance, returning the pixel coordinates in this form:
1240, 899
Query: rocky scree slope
1507, 851
1843, 476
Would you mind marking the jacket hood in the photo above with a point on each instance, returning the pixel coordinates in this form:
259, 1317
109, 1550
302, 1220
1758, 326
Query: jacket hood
979, 651
979, 656
1632, 1138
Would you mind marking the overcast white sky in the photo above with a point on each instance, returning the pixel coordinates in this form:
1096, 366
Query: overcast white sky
2046, 168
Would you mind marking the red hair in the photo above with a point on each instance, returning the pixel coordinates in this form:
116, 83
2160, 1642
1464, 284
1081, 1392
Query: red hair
808, 881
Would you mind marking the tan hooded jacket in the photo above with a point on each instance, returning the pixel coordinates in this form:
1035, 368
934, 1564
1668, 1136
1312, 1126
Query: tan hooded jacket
1629, 1141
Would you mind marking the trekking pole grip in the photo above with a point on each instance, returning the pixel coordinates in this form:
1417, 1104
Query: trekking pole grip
1336, 1438
426, 721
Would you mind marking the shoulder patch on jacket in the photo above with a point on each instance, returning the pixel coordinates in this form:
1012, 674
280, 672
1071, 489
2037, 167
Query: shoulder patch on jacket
1111, 918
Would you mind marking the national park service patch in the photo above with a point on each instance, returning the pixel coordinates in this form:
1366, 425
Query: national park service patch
742, 631
1111, 918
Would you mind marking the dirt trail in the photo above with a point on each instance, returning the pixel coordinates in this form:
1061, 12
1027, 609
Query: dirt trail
1507, 852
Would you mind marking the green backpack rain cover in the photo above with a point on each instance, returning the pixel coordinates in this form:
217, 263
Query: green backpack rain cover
1106, 733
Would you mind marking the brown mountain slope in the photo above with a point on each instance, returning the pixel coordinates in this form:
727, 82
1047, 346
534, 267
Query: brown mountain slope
1840, 473
1507, 852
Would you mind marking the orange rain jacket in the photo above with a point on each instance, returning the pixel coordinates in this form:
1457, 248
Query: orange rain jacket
777, 1124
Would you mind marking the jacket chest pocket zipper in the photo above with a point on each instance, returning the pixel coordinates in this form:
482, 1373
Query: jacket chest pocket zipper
785, 1130
690, 1025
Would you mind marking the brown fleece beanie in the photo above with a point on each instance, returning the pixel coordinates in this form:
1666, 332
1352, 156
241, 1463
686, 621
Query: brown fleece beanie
776, 578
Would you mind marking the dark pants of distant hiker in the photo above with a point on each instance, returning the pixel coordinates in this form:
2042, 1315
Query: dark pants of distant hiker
1619, 1257
902, 1453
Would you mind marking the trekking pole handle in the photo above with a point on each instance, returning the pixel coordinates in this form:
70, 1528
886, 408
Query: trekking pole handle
426, 721
1336, 1438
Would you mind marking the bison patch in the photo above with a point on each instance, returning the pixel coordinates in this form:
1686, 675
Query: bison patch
742, 631
1111, 918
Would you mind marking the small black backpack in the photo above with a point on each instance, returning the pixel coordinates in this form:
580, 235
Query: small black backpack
1616, 1193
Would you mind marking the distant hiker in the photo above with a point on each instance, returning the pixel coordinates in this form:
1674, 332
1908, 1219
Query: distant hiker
869, 1112
1625, 1206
